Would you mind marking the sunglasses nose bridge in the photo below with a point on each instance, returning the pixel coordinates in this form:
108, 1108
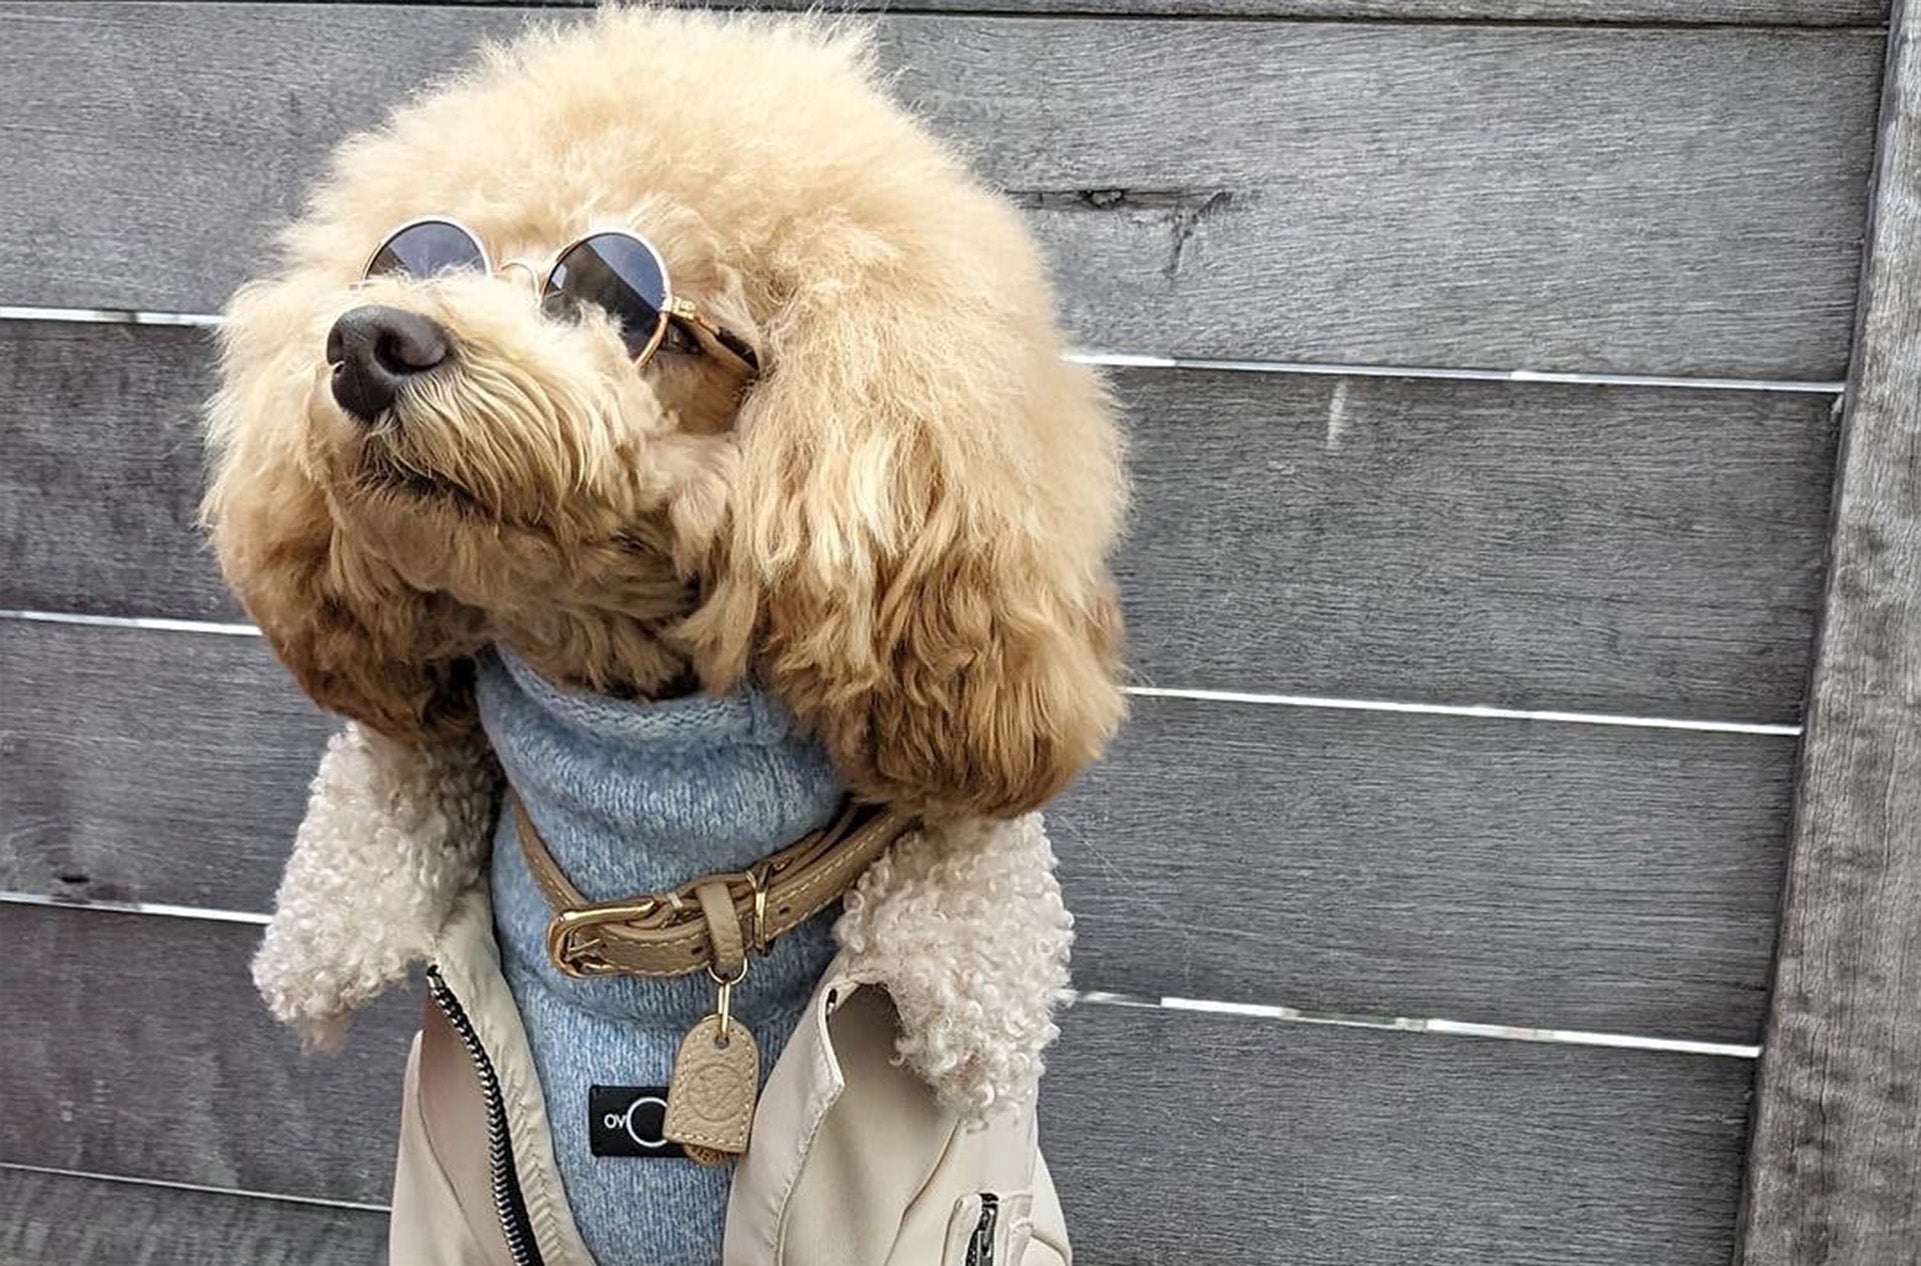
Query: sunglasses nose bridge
521, 267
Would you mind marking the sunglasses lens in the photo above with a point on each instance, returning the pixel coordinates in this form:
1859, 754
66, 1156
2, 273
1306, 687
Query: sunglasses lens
617, 273
428, 249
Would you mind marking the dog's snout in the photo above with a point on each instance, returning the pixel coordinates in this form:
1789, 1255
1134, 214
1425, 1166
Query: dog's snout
373, 350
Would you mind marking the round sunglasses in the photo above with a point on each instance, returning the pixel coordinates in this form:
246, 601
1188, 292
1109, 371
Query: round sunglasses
617, 272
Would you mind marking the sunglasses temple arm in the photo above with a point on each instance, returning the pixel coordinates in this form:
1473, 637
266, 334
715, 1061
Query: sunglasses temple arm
712, 335
737, 348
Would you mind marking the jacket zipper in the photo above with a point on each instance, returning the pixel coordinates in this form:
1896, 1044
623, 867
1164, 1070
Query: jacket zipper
509, 1203
980, 1249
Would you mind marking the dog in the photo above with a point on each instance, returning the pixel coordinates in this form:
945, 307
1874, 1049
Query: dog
662, 377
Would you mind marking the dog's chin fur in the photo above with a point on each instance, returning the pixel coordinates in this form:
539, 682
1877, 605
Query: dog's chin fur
902, 526
528, 480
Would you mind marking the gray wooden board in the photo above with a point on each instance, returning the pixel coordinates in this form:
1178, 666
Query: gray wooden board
1627, 550
1657, 12
1567, 876
166, 767
68, 1220
1174, 1136
1677, 200
1836, 1173
1501, 871
1179, 1138
100, 470
1661, 12
135, 1045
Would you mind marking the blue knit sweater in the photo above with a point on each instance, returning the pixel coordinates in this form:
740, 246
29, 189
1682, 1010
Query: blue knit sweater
630, 799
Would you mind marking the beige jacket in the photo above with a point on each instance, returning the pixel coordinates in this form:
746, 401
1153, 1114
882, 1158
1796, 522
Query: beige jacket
896, 1129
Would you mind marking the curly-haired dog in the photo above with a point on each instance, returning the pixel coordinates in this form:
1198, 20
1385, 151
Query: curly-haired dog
816, 516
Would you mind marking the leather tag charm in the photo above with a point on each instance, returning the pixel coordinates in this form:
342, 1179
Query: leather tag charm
710, 1102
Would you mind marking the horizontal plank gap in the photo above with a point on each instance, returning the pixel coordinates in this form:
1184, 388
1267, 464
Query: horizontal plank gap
1135, 360
1454, 1028
1473, 711
1468, 710
1107, 997
169, 1184
159, 624
107, 316
1374, 19
159, 908
1131, 360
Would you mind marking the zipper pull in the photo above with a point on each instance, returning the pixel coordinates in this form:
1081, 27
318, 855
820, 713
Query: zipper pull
980, 1251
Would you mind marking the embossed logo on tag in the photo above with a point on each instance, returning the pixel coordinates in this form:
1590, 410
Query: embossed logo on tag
629, 1121
710, 1106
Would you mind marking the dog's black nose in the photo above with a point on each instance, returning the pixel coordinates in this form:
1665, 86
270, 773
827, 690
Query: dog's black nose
373, 350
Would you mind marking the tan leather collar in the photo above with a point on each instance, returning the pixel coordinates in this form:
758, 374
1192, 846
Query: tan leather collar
711, 922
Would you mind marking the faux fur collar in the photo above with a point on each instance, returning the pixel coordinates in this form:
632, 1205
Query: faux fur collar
956, 924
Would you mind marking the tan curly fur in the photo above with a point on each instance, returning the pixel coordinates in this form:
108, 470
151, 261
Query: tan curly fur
902, 526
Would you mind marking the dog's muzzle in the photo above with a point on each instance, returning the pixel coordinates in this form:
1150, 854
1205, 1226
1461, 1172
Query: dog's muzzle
375, 350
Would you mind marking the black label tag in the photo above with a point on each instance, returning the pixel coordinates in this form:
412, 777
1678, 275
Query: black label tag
627, 1121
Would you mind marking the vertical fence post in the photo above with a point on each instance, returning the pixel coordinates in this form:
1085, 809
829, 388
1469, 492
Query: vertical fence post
1834, 1172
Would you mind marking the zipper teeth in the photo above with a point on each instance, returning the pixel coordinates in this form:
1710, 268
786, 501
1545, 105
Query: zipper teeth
508, 1203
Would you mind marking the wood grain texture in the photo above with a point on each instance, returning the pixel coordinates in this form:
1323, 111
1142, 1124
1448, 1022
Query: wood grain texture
172, 758
1177, 1137
1174, 1137
101, 479
1623, 550
1686, 201
1835, 1175
66, 1220
1500, 871
1626, 550
1567, 876
136, 1045
1661, 12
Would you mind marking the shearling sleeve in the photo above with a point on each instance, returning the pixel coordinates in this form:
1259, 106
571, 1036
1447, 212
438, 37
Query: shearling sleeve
393, 834
965, 927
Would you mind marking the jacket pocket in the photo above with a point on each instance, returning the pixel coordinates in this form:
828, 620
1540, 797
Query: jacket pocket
990, 1228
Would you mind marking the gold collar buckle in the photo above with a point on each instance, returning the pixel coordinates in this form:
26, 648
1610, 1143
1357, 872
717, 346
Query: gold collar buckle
573, 946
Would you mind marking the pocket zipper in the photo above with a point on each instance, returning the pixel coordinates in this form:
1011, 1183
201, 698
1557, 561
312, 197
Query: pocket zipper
509, 1203
980, 1249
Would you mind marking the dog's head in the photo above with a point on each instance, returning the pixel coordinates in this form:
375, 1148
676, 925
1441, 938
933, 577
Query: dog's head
900, 523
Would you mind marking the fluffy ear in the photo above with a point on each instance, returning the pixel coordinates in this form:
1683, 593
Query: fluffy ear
927, 494
356, 638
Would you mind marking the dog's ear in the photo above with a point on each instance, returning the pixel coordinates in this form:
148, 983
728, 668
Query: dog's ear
916, 562
357, 640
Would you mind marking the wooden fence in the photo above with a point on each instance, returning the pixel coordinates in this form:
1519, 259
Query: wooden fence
1469, 700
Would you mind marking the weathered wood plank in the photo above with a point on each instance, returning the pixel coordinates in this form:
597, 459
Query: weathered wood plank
1835, 1175
1174, 1137
1623, 550
135, 1045
1177, 1137
99, 489
1626, 550
1558, 875
1568, 876
1663, 12
123, 758
67, 1220
1687, 201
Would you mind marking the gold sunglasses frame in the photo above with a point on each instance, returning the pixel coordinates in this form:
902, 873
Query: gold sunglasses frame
714, 339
